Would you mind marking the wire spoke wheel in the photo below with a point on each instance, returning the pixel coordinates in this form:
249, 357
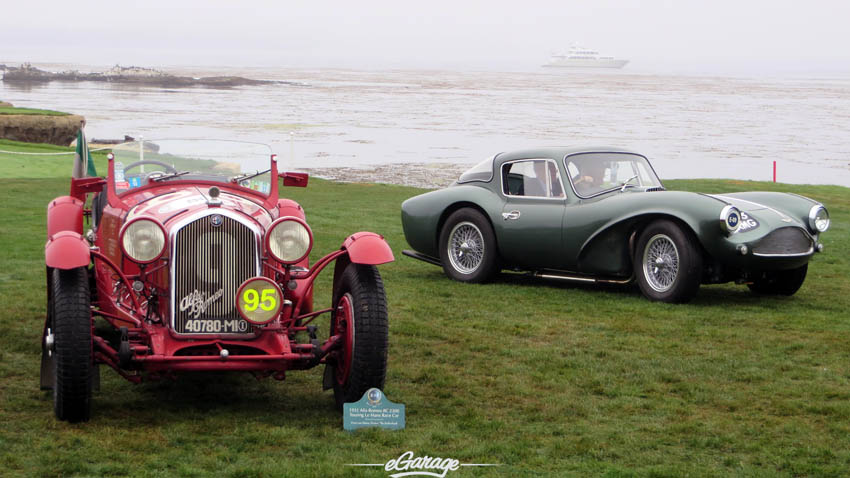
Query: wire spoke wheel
660, 262
468, 250
466, 247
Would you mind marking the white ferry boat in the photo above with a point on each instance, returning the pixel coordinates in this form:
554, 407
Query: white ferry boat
580, 57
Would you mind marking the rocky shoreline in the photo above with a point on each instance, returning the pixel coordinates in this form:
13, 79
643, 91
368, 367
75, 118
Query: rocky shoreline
26, 73
420, 175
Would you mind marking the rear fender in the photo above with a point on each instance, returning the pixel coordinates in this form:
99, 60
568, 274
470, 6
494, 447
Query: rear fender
67, 250
64, 213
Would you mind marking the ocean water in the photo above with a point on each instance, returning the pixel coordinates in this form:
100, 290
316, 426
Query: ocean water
689, 127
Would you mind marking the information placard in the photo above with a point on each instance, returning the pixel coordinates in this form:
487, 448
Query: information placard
373, 410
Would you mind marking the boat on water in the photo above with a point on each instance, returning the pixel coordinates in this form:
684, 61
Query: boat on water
581, 57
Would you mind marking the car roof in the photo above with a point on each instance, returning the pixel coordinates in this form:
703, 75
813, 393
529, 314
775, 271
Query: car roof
559, 152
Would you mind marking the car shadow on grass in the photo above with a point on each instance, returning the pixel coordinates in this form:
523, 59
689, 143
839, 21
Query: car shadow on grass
203, 395
709, 294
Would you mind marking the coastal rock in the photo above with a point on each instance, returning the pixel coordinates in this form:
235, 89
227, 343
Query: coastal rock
59, 130
27, 73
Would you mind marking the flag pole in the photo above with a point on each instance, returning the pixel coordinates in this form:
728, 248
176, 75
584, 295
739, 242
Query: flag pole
80, 159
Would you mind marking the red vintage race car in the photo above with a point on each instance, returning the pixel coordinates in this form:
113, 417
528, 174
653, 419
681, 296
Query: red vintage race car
185, 258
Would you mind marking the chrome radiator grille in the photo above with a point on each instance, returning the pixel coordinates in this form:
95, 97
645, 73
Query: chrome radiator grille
784, 241
212, 256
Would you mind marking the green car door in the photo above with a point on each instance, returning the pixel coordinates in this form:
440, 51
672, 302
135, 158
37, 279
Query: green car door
531, 222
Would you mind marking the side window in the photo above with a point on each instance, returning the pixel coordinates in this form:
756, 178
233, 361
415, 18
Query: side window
556, 187
532, 178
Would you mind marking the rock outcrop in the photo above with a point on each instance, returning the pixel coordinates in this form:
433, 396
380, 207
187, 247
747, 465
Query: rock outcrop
59, 130
27, 73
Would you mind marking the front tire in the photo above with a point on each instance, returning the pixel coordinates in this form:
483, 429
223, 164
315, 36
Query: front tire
668, 263
781, 282
72, 347
360, 316
468, 246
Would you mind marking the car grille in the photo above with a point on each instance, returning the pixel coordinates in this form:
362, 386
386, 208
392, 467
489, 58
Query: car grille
785, 241
210, 263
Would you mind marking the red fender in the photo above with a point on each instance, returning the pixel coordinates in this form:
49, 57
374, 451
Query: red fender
64, 213
368, 248
67, 250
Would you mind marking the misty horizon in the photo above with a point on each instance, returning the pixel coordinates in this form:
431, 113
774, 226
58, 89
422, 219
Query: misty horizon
757, 38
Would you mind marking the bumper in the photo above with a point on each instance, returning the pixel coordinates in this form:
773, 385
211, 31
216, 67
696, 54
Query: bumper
270, 352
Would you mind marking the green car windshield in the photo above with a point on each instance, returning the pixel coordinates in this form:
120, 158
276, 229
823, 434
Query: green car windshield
596, 173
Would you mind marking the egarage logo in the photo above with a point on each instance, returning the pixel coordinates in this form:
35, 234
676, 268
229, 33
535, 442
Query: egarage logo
409, 464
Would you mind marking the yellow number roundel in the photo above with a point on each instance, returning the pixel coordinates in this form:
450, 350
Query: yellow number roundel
259, 300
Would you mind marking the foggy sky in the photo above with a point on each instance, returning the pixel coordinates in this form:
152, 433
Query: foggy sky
722, 36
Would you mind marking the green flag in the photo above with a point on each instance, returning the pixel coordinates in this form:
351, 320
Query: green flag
82, 159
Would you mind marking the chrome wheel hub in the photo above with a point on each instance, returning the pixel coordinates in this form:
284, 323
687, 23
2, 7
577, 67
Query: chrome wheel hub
466, 248
660, 262
49, 342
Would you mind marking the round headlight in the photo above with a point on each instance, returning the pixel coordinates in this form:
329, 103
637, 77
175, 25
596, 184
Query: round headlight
143, 240
730, 219
289, 240
818, 218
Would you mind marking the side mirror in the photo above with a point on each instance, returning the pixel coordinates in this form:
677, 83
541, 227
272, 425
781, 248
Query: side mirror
298, 180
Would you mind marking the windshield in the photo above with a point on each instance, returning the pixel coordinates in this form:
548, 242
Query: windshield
595, 173
140, 163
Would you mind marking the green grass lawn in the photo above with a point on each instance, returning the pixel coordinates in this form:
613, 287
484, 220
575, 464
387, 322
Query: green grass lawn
11, 110
544, 378
41, 161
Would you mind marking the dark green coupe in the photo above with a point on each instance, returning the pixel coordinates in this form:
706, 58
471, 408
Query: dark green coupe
602, 215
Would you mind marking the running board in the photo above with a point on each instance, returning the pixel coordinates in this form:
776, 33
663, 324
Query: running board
578, 278
422, 257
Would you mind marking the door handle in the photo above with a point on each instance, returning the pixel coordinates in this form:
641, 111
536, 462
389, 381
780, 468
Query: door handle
510, 215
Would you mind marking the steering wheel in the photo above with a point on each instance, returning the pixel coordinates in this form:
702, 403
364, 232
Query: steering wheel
583, 179
168, 168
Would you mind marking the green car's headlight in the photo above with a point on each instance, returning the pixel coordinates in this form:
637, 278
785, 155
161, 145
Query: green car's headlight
143, 240
289, 240
818, 218
730, 219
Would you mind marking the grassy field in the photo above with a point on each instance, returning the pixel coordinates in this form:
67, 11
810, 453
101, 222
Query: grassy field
544, 378
11, 110
48, 164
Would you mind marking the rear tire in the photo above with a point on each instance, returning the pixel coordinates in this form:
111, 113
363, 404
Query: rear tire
360, 304
781, 282
668, 263
72, 349
468, 246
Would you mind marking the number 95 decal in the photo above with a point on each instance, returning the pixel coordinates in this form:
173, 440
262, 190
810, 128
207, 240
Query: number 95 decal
259, 300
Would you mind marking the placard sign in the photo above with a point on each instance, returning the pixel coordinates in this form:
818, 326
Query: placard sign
373, 410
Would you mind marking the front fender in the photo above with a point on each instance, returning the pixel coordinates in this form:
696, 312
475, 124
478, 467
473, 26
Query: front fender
64, 213
67, 250
368, 248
